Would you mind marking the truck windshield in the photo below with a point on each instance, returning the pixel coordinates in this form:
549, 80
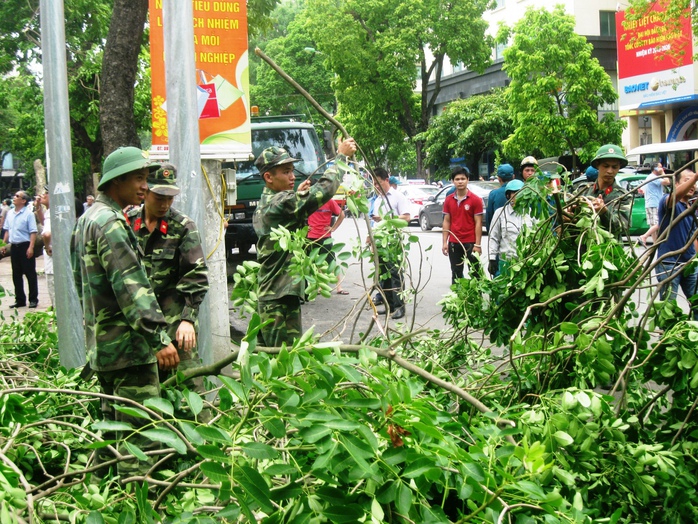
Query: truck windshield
299, 142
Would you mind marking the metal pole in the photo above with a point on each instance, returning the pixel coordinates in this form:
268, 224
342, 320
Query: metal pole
71, 333
184, 150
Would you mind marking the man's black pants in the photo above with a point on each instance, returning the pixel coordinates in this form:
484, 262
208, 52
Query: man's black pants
457, 253
23, 266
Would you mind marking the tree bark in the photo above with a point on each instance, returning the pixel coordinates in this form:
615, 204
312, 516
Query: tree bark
119, 69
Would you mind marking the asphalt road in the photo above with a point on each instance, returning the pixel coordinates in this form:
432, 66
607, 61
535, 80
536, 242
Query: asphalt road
344, 317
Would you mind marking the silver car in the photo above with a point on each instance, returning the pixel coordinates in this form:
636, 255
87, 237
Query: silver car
432, 213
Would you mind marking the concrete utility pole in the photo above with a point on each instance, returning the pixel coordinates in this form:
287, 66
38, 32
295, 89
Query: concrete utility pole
71, 333
184, 152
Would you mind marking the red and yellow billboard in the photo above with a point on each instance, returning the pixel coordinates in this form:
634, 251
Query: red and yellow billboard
222, 82
655, 60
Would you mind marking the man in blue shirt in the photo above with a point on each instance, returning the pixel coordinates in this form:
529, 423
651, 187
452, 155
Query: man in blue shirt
497, 197
21, 233
679, 239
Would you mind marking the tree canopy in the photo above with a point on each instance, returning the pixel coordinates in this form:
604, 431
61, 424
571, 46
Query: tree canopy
556, 88
379, 50
468, 128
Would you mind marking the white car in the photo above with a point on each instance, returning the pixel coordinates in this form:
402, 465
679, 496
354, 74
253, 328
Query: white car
417, 196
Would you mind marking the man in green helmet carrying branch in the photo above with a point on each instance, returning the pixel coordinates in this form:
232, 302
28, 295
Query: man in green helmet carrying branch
609, 200
126, 332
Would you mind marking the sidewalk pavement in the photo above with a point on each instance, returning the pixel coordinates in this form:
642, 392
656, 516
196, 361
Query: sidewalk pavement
6, 311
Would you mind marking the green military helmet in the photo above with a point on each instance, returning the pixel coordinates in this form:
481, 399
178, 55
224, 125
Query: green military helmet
608, 151
164, 181
124, 160
271, 157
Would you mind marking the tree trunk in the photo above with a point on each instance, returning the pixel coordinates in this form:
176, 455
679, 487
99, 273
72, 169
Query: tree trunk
119, 68
421, 171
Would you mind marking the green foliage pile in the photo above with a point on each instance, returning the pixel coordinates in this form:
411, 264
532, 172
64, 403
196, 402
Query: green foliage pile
404, 427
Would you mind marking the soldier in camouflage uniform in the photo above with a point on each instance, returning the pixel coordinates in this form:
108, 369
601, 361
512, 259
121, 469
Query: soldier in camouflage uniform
610, 200
279, 296
174, 262
126, 332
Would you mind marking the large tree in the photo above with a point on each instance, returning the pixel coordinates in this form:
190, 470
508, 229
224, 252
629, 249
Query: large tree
556, 88
86, 23
380, 49
468, 128
294, 52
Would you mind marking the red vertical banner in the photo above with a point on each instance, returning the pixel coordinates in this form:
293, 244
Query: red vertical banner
222, 82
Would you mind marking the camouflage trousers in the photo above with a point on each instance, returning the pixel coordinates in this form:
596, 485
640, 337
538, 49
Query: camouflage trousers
135, 383
285, 314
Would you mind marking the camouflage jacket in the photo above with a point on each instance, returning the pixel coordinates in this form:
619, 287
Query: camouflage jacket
290, 209
175, 264
619, 205
123, 323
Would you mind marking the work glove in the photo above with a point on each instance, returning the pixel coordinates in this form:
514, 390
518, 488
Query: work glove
493, 267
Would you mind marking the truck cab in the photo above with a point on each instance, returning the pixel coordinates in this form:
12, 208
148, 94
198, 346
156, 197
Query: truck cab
301, 140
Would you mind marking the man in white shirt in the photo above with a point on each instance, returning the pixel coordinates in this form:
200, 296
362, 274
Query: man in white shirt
389, 203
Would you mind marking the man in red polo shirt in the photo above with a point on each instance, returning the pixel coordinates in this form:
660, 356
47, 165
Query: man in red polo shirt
462, 227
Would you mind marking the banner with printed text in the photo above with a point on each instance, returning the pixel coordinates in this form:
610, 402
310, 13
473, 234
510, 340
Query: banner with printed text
655, 60
222, 81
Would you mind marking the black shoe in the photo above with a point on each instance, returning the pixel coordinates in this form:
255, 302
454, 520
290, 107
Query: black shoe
399, 313
33, 304
16, 305
378, 300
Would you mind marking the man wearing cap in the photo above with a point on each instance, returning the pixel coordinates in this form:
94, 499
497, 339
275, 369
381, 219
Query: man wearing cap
506, 226
280, 292
462, 226
174, 262
497, 198
528, 168
126, 332
610, 201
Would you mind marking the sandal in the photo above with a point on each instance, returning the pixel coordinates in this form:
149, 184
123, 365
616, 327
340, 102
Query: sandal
342, 292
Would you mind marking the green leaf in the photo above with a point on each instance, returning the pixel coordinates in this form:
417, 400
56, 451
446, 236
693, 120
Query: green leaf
569, 328
418, 467
346, 513
280, 469
132, 412
211, 452
563, 438
259, 450
213, 434
403, 499
167, 437
314, 433
190, 432
196, 404
275, 426
111, 425
254, 485
214, 471
95, 517
472, 469
135, 451
159, 404
342, 425
235, 387
127, 516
